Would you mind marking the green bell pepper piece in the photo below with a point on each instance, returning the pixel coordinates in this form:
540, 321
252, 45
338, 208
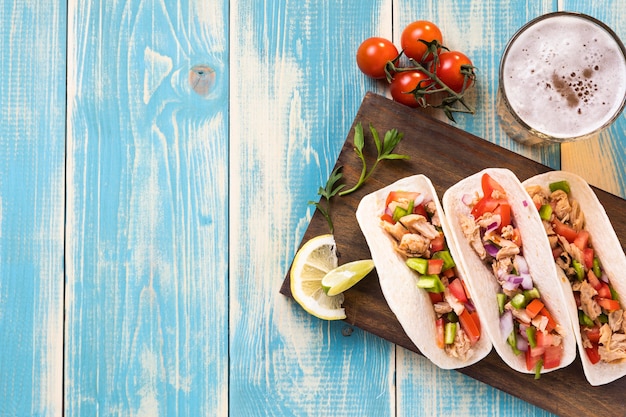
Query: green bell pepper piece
560, 185
418, 264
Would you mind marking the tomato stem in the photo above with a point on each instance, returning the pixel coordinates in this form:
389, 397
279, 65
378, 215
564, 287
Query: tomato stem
448, 104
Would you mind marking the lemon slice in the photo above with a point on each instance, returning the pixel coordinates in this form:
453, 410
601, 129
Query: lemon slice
312, 262
345, 276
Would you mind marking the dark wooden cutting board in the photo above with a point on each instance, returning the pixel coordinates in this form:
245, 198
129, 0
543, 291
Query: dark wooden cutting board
446, 155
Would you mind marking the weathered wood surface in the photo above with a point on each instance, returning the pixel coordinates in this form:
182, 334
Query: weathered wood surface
147, 209
146, 227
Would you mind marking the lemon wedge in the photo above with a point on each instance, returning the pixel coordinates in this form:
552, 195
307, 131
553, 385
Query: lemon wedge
345, 276
312, 262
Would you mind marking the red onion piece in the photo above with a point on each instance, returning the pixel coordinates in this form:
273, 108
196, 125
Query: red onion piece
522, 344
492, 250
604, 277
506, 324
522, 265
467, 199
527, 282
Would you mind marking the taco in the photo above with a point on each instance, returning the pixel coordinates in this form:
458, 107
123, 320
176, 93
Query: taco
591, 261
510, 271
402, 224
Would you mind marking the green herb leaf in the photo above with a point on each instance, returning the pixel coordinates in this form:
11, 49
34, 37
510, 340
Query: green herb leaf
384, 150
377, 141
327, 192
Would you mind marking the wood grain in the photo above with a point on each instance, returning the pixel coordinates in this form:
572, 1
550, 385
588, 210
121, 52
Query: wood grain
147, 226
447, 155
295, 93
32, 192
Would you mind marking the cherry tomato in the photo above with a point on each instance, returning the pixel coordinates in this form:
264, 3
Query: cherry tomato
404, 82
449, 70
409, 40
373, 54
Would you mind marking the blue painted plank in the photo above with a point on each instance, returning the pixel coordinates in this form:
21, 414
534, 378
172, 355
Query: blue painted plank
295, 92
32, 130
147, 226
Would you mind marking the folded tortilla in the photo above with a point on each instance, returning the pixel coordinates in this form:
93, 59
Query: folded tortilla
410, 304
609, 251
536, 249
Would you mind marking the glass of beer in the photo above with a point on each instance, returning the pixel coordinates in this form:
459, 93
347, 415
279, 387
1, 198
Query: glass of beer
562, 78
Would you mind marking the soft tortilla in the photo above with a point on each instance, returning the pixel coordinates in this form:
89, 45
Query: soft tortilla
536, 251
608, 249
410, 304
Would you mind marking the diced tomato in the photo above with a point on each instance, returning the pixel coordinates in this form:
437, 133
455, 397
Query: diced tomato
476, 320
604, 291
552, 356
388, 218
593, 334
440, 333
543, 339
458, 290
421, 210
469, 326
538, 204
401, 195
537, 351
504, 210
449, 273
592, 353
531, 361
556, 252
437, 244
551, 322
435, 266
593, 280
588, 257
466, 290
564, 230
435, 297
534, 307
607, 304
582, 240
489, 185
484, 205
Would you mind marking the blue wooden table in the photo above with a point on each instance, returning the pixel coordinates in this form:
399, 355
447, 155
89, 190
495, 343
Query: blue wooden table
155, 167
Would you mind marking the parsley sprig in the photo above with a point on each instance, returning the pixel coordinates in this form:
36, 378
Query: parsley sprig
329, 191
384, 148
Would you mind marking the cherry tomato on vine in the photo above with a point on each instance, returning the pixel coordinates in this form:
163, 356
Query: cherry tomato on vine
420, 29
449, 69
373, 54
404, 82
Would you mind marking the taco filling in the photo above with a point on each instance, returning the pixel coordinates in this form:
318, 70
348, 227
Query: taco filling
600, 315
414, 225
492, 233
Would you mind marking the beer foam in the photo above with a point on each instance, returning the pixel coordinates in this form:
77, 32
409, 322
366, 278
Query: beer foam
565, 76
